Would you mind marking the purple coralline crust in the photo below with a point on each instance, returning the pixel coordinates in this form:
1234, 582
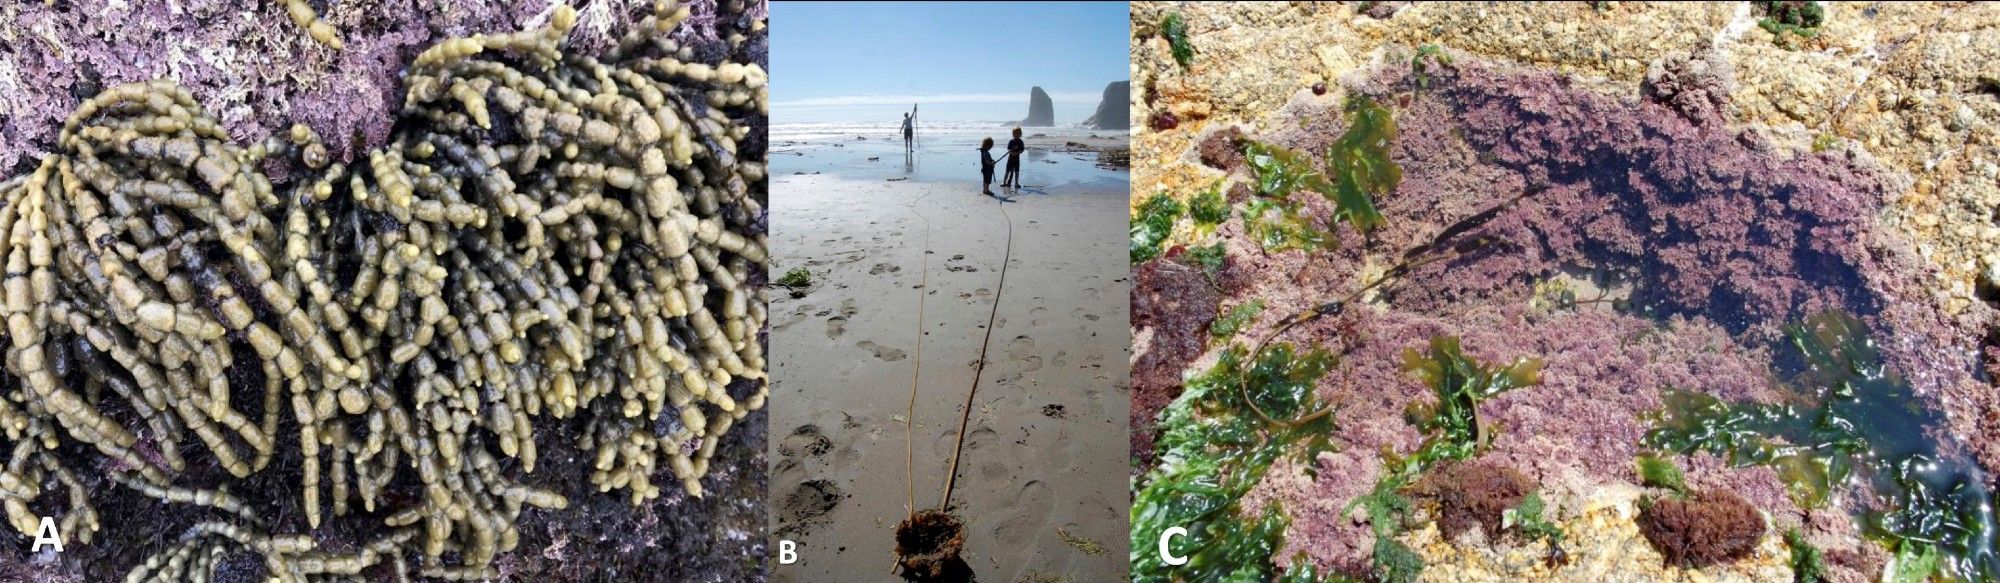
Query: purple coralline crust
254, 70
1575, 432
1722, 239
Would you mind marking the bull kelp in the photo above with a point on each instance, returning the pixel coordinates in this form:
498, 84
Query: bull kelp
1220, 436
1853, 420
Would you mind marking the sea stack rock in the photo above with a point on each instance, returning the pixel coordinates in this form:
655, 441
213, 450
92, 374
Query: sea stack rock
1041, 111
1115, 111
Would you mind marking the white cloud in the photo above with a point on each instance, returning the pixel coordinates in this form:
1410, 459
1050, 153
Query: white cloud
1059, 97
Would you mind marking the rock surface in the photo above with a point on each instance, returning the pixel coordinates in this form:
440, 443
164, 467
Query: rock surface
1041, 110
1115, 111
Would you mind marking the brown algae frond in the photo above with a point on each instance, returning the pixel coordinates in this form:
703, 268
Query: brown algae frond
548, 238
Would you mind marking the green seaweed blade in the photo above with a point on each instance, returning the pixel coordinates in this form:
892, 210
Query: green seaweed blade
1359, 170
1452, 424
1213, 449
1360, 162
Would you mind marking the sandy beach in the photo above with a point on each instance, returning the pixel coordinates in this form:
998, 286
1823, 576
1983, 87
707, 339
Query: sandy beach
1041, 486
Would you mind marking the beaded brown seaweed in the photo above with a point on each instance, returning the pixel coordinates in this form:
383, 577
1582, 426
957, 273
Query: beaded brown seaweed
548, 236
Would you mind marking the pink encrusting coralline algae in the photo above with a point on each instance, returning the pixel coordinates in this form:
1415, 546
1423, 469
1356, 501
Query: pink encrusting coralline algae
256, 72
1719, 237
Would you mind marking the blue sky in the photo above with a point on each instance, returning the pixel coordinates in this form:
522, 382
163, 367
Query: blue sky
965, 61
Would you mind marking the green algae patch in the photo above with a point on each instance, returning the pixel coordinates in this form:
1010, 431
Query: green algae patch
1360, 161
797, 277
1451, 425
1421, 69
1528, 521
1277, 226
1853, 422
1658, 472
1174, 28
1388, 510
1219, 438
1808, 561
1236, 319
1209, 258
1799, 18
1208, 209
1152, 224
1358, 170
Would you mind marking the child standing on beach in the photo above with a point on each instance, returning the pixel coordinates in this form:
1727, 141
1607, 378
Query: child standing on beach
986, 163
1014, 149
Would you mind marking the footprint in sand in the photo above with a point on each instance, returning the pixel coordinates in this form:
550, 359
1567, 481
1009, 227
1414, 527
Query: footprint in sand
1061, 359
976, 438
882, 352
1080, 313
837, 325
1025, 525
808, 505
805, 441
790, 319
1022, 350
881, 268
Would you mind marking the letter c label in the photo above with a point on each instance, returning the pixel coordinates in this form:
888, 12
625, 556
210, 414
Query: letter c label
1166, 555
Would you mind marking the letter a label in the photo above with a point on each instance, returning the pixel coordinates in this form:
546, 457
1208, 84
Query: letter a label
46, 535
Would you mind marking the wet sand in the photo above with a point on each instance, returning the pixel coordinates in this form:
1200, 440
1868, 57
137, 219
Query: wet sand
1041, 486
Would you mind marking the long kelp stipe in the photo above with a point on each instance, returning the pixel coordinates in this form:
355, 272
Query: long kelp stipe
547, 237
